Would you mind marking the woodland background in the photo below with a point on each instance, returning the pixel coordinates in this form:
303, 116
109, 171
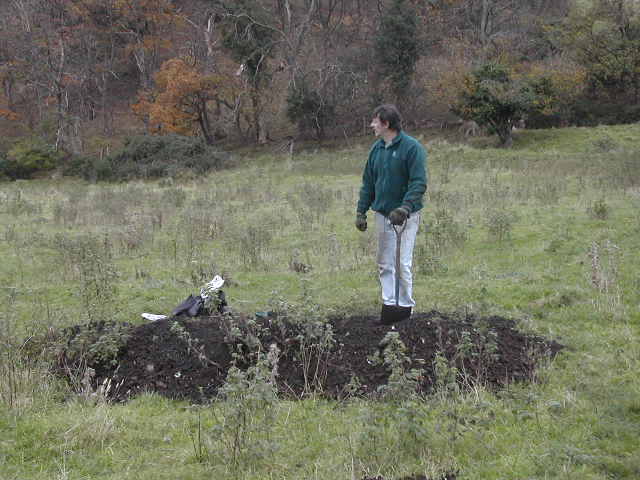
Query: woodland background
80, 77
544, 233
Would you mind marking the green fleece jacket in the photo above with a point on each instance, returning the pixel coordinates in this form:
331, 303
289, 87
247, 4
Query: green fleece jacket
395, 175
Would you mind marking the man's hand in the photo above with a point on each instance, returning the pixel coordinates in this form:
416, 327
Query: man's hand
361, 221
399, 215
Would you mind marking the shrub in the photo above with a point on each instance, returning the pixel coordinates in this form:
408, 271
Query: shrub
599, 210
3, 160
499, 224
589, 112
154, 156
28, 157
496, 99
308, 109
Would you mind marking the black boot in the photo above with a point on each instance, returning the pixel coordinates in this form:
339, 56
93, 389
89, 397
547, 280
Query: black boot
391, 314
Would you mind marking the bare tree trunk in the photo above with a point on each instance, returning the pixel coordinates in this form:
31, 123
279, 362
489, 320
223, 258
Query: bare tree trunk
209, 41
485, 22
76, 143
7, 87
263, 135
145, 78
294, 34
236, 115
505, 133
258, 120
22, 8
106, 127
205, 126
62, 99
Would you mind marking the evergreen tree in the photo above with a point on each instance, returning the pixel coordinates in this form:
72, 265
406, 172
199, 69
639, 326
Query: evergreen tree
246, 34
397, 46
248, 38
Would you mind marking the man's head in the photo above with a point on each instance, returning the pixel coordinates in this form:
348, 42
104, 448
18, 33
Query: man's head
388, 117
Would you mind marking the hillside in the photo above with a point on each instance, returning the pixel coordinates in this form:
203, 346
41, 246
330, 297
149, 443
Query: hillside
544, 235
80, 77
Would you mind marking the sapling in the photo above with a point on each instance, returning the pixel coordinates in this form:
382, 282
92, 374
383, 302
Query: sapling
444, 233
91, 258
305, 322
486, 346
396, 424
499, 223
599, 210
198, 441
403, 382
447, 390
246, 416
252, 241
446, 376
244, 334
315, 339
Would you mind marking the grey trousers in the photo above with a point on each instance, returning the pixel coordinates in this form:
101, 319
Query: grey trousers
387, 259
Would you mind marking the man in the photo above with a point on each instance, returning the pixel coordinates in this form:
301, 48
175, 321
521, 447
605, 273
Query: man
393, 183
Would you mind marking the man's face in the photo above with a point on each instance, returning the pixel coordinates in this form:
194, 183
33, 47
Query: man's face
379, 127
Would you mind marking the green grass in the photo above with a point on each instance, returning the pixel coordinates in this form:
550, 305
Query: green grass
525, 221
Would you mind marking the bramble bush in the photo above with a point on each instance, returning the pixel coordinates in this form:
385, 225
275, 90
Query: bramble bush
154, 156
28, 157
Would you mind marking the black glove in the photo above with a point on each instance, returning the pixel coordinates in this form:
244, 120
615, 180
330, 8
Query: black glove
361, 221
399, 215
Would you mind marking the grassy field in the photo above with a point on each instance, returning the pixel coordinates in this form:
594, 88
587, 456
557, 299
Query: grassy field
545, 233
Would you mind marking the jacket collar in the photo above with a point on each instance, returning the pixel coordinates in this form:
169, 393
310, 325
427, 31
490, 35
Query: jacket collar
397, 139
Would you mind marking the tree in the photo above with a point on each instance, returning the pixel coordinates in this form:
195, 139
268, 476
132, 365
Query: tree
179, 102
606, 40
53, 66
247, 35
493, 98
147, 25
397, 47
6, 86
308, 108
293, 24
49, 70
562, 82
496, 29
99, 58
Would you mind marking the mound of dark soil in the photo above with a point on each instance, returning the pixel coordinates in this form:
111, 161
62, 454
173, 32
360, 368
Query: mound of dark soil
189, 358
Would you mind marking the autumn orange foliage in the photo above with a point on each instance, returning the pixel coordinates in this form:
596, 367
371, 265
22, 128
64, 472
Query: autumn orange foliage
178, 104
566, 79
8, 114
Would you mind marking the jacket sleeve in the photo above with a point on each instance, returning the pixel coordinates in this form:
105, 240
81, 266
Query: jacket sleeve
367, 190
417, 172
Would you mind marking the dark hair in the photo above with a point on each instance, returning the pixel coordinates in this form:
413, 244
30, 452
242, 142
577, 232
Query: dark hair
389, 113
